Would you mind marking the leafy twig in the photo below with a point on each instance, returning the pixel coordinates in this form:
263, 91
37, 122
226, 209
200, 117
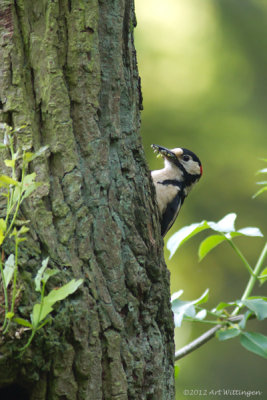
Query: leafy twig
41, 311
257, 306
208, 335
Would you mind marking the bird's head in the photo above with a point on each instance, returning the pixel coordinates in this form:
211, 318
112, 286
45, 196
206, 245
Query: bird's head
186, 161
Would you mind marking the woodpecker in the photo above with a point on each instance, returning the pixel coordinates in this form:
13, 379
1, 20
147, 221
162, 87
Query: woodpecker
182, 170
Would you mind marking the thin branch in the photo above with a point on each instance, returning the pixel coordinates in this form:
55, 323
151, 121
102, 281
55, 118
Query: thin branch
253, 278
243, 258
195, 344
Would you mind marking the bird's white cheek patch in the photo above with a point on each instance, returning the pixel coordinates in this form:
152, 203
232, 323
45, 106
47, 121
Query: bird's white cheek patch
192, 167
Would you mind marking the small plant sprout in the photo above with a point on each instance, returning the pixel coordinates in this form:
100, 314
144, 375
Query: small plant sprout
42, 310
15, 192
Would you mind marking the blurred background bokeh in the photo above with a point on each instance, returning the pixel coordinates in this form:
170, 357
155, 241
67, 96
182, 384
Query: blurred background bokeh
203, 66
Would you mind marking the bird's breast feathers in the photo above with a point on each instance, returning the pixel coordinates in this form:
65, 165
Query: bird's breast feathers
165, 194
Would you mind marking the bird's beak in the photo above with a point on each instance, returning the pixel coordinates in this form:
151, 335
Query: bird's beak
164, 152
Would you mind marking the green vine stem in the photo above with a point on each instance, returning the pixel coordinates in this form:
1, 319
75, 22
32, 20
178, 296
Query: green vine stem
253, 278
5, 294
245, 262
206, 321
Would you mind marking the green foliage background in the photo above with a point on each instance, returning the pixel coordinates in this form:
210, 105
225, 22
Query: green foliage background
203, 66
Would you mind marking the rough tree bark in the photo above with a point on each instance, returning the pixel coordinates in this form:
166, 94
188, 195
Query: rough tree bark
68, 70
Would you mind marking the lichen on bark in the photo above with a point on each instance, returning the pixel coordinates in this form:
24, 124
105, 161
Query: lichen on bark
69, 72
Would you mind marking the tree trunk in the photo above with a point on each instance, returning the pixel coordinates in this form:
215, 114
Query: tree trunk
68, 70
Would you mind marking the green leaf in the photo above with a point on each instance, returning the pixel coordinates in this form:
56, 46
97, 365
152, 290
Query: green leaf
10, 163
21, 240
184, 234
179, 306
28, 156
227, 333
262, 171
62, 292
257, 297
30, 189
176, 371
200, 300
10, 315
14, 232
231, 235
255, 342
20, 128
39, 275
201, 314
259, 192
183, 309
2, 225
48, 273
23, 229
9, 269
40, 312
29, 185
226, 224
250, 231
38, 315
23, 322
2, 236
222, 305
261, 183
246, 316
258, 306
263, 276
208, 244
176, 295
16, 194
28, 181
203, 298
6, 180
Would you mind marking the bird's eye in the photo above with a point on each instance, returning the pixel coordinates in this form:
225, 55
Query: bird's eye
186, 158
